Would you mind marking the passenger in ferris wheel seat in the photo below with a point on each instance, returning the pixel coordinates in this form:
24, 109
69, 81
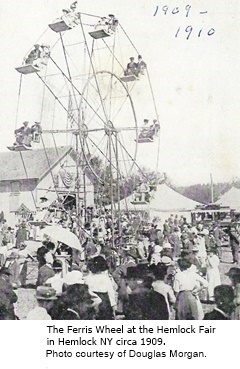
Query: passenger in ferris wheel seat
38, 57
155, 126
33, 56
102, 24
45, 54
23, 135
145, 129
141, 65
70, 16
113, 23
36, 131
131, 68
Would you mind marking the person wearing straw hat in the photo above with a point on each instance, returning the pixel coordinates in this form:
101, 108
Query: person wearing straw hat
45, 296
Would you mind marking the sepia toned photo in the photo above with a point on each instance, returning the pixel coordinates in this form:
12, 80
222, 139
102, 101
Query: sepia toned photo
119, 151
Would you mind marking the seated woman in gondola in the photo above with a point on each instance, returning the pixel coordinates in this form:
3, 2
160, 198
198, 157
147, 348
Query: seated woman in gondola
45, 54
36, 131
70, 16
23, 135
141, 65
131, 68
38, 56
102, 24
112, 23
34, 56
155, 126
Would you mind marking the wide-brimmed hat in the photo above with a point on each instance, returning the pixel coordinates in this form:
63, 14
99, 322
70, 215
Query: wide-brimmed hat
74, 277
45, 293
167, 245
166, 260
157, 249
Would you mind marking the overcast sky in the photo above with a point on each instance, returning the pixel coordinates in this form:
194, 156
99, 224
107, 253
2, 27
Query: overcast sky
196, 82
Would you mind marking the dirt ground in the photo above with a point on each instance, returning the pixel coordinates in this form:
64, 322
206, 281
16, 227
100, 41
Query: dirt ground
26, 296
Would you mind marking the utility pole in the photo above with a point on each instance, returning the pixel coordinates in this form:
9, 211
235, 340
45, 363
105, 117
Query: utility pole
211, 182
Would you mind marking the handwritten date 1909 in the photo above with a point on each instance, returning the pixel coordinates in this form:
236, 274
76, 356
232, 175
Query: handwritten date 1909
189, 30
185, 10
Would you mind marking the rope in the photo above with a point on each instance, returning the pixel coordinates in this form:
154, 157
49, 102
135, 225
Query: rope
25, 169
156, 112
68, 69
18, 100
90, 15
49, 166
129, 39
43, 96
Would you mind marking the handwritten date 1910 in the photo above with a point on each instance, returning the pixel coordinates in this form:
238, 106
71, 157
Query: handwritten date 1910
189, 30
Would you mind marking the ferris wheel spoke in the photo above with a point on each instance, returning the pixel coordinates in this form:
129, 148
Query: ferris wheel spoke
103, 154
115, 107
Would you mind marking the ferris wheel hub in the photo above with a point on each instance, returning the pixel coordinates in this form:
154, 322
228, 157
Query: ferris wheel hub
109, 128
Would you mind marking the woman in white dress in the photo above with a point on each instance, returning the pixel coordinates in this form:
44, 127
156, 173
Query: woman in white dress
187, 285
213, 274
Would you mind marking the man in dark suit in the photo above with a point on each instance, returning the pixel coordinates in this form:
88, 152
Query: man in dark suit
224, 298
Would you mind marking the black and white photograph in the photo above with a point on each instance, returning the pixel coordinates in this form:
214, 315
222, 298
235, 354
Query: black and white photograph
120, 160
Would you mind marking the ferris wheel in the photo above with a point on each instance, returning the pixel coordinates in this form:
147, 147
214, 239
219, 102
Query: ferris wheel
85, 73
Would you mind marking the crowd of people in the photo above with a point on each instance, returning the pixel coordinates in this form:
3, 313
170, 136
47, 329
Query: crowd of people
126, 269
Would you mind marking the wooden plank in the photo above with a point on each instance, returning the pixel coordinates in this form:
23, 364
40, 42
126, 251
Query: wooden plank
129, 78
59, 26
99, 34
27, 69
19, 148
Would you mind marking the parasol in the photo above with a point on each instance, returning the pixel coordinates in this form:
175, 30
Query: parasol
63, 235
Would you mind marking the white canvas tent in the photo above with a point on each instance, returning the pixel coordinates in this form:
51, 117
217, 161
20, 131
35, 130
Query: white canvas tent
231, 198
163, 202
166, 199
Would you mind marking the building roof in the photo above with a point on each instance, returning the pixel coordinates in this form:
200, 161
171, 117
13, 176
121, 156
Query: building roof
37, 163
